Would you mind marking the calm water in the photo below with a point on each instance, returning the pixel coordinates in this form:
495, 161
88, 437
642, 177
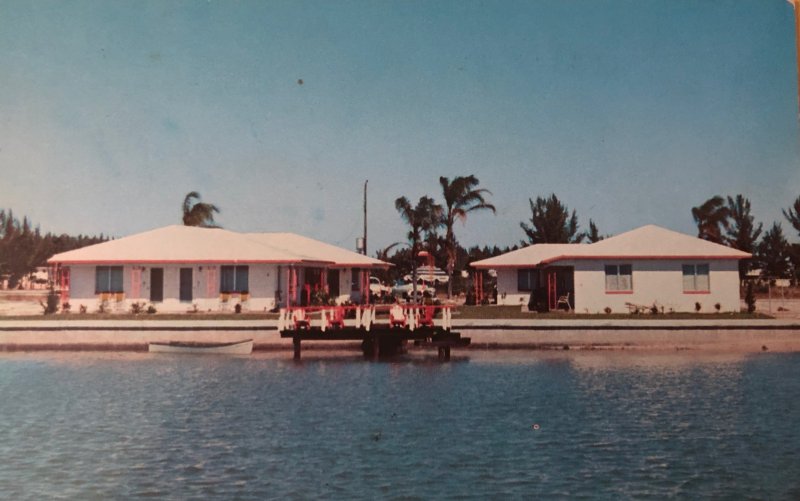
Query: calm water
618, 425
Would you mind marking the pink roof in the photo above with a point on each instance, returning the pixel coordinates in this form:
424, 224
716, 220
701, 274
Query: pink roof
187, 244
646, 242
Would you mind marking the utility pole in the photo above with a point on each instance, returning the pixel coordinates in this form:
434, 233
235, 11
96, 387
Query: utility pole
365, 216
796, 5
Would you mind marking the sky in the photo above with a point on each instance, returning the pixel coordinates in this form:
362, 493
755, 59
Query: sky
630, 111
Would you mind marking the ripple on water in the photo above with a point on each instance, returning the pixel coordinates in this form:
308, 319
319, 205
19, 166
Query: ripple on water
79, 426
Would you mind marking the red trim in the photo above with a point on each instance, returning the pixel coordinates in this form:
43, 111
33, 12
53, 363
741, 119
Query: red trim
619, 292
190, 261
620, 257
359, 265
329, 264
697, 292
644, 258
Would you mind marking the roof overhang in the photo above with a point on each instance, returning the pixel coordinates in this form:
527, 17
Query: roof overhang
188, 261
621, 257
371, 266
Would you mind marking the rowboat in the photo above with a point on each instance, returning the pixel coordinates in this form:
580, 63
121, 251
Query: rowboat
236, 348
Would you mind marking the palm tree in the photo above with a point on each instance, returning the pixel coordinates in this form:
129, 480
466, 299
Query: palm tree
742, 232
198, 213
460, 198
425, 217
383, 254
794, 215
551, 223
711, 219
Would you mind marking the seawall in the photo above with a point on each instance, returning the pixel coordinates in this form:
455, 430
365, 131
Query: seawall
735, 335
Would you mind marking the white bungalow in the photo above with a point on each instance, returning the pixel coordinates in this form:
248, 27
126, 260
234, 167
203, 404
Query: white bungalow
646, 266
183, 268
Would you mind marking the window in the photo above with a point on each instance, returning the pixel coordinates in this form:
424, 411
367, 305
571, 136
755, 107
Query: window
526, 279
108, 279
234, 279
695, 278
355, 279
619, 278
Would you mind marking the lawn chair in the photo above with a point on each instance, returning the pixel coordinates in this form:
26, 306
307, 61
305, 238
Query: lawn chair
426, 319
397, 317
300, 319
564, 300
336, 318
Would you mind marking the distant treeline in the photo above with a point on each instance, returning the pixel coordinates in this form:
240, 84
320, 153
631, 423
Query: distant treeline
23, 247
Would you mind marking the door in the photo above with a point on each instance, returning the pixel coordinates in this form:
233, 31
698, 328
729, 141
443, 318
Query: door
156, 285
333, 282
186, 285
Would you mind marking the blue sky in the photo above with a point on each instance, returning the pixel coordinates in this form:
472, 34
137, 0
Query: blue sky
631, 111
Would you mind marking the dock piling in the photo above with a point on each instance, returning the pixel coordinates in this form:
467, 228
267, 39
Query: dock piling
296, 342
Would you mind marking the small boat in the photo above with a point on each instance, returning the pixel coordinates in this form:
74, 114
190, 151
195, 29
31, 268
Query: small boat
236, 348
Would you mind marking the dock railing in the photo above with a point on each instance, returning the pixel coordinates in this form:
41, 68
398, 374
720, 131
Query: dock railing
399, 316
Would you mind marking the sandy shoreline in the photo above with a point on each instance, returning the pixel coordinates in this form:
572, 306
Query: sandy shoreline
135, 335
638, 333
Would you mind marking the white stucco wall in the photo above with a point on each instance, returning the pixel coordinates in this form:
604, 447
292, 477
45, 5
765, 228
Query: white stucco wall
262, 284
345, 287
507, 293
654, 281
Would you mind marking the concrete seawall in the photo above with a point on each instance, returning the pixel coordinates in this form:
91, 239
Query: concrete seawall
736, 335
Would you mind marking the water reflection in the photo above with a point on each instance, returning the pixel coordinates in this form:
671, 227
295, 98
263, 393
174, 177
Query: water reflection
118, 425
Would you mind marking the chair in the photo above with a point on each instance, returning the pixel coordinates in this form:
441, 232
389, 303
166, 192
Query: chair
426, 319
564, 300
300, 319
397, 317
336, 319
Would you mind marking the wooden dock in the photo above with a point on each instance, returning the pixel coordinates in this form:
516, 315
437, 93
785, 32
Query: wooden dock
378, 339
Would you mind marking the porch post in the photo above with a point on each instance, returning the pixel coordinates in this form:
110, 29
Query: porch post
63, 275
552, 292
289, 287
365, 285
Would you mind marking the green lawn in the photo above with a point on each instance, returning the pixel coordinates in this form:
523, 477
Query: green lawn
461, 312
515, 312
145, 316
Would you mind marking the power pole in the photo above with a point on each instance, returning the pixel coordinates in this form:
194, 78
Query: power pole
365, 216
796, 5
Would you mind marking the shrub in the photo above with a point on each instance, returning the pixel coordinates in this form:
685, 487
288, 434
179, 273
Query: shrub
654, 309
151, 309
237, 308
102, 306
607, 310
66, 307
51, 306
82, 308
137, 308
698, 307
750, 298
319, 298
717, 307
